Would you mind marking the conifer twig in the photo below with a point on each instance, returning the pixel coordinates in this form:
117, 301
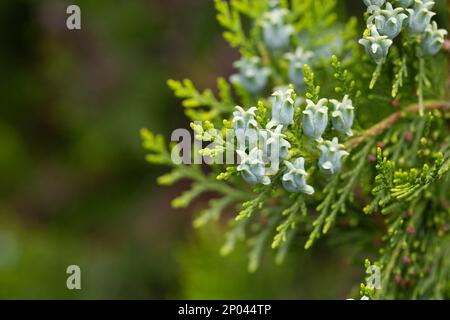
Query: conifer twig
395, 117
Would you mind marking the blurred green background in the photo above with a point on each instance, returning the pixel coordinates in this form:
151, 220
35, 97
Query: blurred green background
74, 186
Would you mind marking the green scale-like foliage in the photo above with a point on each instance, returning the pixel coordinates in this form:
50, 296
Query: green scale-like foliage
394, 183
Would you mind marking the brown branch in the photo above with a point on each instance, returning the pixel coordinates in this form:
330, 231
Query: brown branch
393, 118
446, 46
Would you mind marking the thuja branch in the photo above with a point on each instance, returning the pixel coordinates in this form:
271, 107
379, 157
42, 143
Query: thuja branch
394, 118
311, 144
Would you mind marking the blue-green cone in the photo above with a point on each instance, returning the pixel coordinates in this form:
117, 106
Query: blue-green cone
315, 119
252, 76
252, 167
432, 40
376, 45
388, 21
330, 161
419, 16
294, 179
343, 116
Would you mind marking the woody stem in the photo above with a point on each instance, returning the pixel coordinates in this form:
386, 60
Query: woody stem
395, 117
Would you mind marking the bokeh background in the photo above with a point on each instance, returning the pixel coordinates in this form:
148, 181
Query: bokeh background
74, 186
